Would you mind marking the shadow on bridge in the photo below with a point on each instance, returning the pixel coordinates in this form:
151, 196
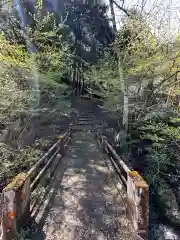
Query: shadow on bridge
43, 203
81, 200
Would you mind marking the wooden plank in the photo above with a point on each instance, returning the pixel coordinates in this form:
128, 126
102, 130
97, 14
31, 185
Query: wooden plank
137, 191
137, 237
138, 203
123, 179
36, 166
1, 215
61, 145
54, 167
57, 144
115, 155
41, 173
103, 143
16, 206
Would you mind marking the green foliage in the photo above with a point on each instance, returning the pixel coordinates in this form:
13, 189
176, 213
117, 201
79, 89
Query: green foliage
51, 40
52, 60
12, 98
12, 55
159, 131
13, 66
104, 78
163, 144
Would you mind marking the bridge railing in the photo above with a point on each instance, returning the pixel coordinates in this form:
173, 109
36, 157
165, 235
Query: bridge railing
40, 168
1, 213
16, 197
137, 190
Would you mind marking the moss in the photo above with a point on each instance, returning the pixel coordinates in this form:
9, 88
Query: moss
60, 137
138, 180
16, 182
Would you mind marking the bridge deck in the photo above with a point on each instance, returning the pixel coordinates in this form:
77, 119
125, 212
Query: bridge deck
84, 202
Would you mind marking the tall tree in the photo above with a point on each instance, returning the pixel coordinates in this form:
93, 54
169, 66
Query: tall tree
113, 15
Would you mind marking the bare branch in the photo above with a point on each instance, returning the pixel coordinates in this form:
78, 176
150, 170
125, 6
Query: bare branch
143, 5
121, 8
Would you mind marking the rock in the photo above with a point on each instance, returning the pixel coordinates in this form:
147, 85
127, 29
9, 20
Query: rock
156, 233
169, 234
2, 126
162, 232
168, 202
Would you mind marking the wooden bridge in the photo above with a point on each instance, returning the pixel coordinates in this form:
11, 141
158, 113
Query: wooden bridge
80, 189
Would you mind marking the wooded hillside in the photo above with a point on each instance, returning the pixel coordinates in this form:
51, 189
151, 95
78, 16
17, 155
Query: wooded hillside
124, 53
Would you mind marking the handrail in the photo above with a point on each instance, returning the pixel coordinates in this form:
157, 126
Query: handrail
46, 155
119, 164
17, 194
137, 190
1, 214
41, 173
120, 161
47, 159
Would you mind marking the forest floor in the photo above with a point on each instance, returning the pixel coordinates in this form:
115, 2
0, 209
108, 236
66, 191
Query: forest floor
29, 133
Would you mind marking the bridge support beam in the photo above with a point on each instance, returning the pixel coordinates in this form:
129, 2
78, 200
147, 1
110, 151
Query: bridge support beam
16, 206
138, 203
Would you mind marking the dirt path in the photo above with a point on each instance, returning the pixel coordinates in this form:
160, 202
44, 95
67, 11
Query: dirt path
85, 203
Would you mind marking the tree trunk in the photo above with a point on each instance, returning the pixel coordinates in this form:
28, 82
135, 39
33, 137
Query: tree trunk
126, 100
113, 15
123, 88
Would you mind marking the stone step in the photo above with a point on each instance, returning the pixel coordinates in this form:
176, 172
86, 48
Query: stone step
85, 123
86, 119
87, 114
81, 128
